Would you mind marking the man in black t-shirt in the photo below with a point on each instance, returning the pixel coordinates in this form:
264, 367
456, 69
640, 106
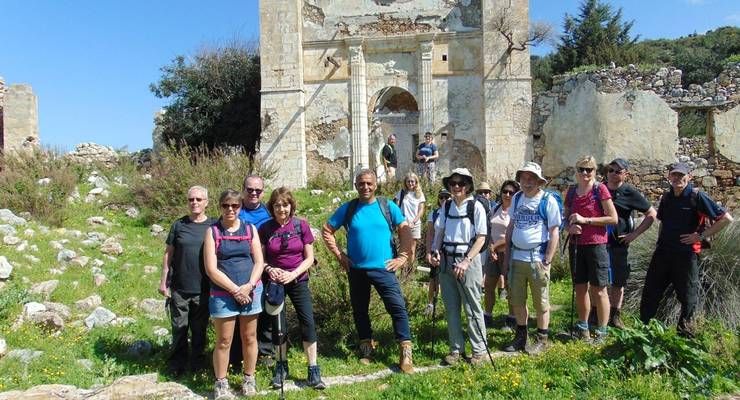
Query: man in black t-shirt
390, 159
185, 284
627, 199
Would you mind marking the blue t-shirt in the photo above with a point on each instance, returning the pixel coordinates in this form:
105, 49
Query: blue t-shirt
427, 150
369, 237
256, 217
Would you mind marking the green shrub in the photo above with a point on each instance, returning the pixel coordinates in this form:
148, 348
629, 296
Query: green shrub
20, 190
718, 279
161, 198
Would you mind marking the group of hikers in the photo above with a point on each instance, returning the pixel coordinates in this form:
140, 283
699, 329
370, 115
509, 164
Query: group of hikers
245, 263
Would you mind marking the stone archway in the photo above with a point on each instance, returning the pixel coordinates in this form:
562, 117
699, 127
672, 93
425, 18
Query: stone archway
393, 110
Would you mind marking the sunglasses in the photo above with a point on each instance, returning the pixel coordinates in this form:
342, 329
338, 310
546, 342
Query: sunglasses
196, 199
234, 206
585, 170
484, 191
445, 198
253, 190
508, 192
615, 171
411, 181
456, 183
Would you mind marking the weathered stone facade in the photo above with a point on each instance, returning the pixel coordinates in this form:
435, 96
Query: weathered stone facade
19, 126
338, 76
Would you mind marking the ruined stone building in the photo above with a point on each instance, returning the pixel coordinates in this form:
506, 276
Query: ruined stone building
338, 76
19, 125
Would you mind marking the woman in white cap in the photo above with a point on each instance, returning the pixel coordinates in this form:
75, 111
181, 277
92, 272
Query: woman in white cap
411, 201
460, 233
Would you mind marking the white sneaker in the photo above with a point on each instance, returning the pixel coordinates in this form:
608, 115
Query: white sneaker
249, 386
222, 391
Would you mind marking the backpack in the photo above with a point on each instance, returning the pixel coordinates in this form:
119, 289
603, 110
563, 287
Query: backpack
470, 214
704, 221
542, 212
297, 231
385, 210
218, 238
571, 195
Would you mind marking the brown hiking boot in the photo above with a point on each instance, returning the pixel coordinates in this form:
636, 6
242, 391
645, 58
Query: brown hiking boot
477, 359
615, 319
519, 342
539, 345
582, 334
367, 348
406, 363
452, 358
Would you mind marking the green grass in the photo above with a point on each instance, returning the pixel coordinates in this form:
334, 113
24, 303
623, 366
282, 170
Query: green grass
566, 371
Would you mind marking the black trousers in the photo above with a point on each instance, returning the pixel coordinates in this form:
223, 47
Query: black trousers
679, 269
300, 296
188, 312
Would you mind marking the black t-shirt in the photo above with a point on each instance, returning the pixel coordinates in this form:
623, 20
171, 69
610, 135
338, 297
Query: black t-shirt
626, 199
389, 153
188, 271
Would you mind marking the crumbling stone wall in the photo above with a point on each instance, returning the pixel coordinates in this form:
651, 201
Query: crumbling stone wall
19, 126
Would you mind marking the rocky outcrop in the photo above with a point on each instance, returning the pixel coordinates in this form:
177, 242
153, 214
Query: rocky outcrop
89, 153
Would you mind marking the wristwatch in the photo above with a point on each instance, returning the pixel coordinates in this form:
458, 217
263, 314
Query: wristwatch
701, 237
545, 262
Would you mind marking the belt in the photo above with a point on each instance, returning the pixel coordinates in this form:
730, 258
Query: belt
454, 254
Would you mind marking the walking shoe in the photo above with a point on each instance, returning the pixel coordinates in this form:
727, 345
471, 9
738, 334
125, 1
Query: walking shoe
406, 362
451, 359
249, 386
280, 374
488, 321
519, 342
314, 378
540, 344
601, 334
478, 359
509, 325
428, 310
221, 390
582, 334
615, 319
367, 348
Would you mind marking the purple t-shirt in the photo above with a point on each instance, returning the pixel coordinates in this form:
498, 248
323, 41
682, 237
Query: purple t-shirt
287, 256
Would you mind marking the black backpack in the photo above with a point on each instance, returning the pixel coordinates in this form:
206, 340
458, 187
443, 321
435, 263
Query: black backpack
470, 214
385, 210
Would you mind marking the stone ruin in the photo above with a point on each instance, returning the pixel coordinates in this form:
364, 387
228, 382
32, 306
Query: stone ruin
338, 76
633, 114
19, 125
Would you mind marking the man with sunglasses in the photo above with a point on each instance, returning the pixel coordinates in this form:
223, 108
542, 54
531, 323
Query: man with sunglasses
682, 212
627, 199
185, 284
255, 212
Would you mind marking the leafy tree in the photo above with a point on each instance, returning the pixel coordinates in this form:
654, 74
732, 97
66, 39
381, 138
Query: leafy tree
541, 70
596, 36
215, 98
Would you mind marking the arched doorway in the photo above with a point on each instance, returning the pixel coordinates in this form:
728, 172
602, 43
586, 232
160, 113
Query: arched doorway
393, 110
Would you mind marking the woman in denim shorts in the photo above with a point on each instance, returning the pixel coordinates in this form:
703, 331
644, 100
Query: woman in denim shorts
233, 260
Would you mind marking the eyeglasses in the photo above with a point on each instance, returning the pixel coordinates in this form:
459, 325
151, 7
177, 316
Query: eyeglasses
585, 170
484, 192
508, 192
456, 183
195, 199
234, 206
253, 190
615, 171
445, 198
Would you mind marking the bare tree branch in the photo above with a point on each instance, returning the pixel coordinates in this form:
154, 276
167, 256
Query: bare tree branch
539, 31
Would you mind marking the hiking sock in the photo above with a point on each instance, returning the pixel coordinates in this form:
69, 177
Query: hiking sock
602, 331
582, 325
544, 332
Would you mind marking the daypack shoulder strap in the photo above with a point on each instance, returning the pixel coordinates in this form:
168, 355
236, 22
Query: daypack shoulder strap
570, 197
216, 236
385, 209
297, 228
448, 204
470, 211
351, 208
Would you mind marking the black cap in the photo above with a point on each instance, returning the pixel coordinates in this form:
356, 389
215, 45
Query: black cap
680, 168
621, 163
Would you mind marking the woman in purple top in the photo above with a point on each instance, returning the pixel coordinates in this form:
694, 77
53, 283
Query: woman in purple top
288, 248
233, 260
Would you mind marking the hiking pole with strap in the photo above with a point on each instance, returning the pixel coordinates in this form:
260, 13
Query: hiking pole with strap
435, 282
477, 325
573, 242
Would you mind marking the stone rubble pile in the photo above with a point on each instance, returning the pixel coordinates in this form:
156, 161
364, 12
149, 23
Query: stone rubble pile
89, 153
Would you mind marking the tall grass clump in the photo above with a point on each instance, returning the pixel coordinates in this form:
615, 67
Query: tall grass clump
161, 193
21, 188
719, 278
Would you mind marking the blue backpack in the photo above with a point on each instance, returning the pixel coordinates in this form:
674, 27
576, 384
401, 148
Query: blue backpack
542, 206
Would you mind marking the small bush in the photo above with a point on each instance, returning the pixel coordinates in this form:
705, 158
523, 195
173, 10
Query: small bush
175, 170
718, 279
20, 189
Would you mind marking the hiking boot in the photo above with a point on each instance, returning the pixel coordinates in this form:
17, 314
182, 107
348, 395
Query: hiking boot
593, 317
509, 325
519, 342
477, 359
582, 334
406, 363
600, 337
615, 319
451, 359
367, 348
280, 374
249, 386
488, 320
314, 378
540, 344
221, 390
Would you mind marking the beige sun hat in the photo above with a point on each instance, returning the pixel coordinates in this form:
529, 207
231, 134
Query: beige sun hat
533, 167
465, 173
483, 186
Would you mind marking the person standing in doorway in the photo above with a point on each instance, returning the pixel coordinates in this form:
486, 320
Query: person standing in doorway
390, 159
426, 157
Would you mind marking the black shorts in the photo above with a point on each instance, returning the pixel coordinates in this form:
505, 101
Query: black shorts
620, 267
592, 265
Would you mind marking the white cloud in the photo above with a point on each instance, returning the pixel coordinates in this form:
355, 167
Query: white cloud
733, 18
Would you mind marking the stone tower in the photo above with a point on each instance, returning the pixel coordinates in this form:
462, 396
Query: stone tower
19, 126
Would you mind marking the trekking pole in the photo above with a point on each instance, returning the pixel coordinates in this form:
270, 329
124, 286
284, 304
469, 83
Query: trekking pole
435, 282
574, 243
280, 355
480, 331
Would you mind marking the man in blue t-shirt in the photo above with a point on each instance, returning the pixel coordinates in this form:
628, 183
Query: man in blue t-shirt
426, 156
369, 261
682, 211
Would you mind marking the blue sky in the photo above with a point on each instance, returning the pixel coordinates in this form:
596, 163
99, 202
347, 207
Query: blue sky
91, 62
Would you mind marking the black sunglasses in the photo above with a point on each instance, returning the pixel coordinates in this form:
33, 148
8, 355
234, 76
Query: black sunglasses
615, 171
509, 192
585, 169
192, 199
253, 190
456, 183
234, 206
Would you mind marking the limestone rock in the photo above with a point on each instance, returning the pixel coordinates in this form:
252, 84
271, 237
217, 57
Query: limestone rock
132, 212
99, 279
43, 181
7, 216
3, 347
32, 308
6, 230
59, 309
31, 258
99, 317
11, 240
123, 321
153, 307
97, 236
156, 230
88, 303
66, 255
111, 247
161, 332
88, 153
56, 245
97, 220
709, 181
25, 356
5, 268
45, 288
49, 320
80, 261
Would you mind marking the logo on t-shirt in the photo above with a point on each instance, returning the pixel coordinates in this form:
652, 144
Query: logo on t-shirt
525, 217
